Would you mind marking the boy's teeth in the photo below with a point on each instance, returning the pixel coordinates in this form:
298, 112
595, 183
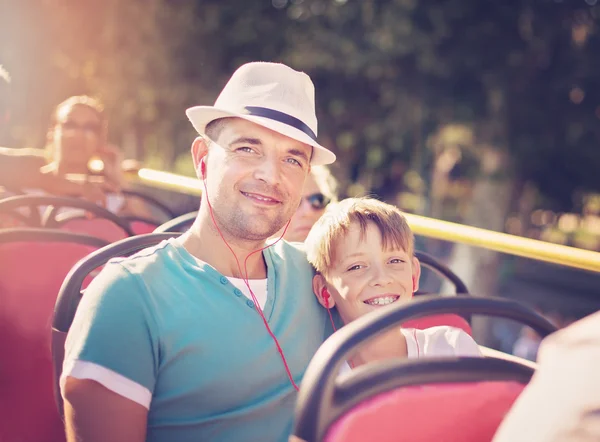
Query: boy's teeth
383, 300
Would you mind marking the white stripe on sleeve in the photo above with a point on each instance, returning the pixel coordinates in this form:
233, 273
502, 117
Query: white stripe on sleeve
108, 378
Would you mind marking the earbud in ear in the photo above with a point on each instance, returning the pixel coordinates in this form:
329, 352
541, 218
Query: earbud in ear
325, 295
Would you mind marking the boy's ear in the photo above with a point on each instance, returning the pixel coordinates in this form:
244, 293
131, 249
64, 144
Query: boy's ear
199, 150
320, 289
416, 273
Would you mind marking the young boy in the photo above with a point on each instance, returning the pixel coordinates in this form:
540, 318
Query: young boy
362, 250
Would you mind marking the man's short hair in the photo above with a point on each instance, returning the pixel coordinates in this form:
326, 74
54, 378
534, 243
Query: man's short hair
214, 128
337, 219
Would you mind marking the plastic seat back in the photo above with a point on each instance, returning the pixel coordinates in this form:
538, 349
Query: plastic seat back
179, 224
33, 265
437, 320
449, 411
141, 227
436, 266
428, 399
98, 227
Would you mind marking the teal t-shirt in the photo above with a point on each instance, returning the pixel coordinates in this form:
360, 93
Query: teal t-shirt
180, 329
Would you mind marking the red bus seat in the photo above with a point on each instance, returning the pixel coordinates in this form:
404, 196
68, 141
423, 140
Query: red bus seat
449, 412
141, 227
98, 227
33, 265
443, 319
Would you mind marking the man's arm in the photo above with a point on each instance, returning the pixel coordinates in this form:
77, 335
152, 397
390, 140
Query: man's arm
111, 360
93, 413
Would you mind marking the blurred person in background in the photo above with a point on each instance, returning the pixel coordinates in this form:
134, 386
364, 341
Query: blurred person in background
320, 189
76, 136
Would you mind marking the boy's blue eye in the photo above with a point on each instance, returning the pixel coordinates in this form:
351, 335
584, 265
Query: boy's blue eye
245, 149
354, 267
397, 261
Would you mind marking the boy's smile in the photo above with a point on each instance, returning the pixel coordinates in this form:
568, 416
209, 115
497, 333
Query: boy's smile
366, 276
382, 300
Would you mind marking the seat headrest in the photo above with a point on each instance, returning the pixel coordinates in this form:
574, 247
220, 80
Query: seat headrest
458, 412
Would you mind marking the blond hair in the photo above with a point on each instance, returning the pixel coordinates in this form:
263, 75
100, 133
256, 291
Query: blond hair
337, 219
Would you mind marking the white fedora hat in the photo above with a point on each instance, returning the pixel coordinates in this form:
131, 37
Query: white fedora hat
272, 95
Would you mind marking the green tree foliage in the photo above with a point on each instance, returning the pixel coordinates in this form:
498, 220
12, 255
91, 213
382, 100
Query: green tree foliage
522, 74
390, 76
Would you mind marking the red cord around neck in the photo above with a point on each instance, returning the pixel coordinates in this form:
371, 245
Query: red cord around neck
245, 279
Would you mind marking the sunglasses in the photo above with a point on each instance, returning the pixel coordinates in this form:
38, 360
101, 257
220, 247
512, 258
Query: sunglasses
317, 201
88, 128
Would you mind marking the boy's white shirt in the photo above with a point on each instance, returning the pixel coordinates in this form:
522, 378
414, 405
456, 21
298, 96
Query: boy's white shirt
435, 341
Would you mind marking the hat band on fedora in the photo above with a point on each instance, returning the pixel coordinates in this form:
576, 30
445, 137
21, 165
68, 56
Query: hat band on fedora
281, 117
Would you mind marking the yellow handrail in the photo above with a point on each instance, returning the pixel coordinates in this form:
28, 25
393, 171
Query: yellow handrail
434, 228
170, 181
505, 243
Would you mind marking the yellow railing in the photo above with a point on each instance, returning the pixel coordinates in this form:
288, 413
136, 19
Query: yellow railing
434, 228
169, 181
503, 242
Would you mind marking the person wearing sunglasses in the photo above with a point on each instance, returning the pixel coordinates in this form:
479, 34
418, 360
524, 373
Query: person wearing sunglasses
77, 135
319, 190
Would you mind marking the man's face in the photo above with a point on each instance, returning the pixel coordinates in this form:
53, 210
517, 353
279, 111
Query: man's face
76, 137
365, 276
254, 178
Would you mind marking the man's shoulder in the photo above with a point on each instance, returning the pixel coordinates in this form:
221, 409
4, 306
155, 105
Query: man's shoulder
135, 277
291, 251
148, 259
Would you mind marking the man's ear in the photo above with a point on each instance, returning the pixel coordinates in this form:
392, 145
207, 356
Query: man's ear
199, 152
416, 273
319, 284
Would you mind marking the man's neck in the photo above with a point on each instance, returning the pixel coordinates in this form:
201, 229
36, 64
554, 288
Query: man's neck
205, 243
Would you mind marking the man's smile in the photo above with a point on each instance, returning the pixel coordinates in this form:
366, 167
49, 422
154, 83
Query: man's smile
261, 198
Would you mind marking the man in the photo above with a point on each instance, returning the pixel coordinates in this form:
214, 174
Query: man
169, 345
562, 401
